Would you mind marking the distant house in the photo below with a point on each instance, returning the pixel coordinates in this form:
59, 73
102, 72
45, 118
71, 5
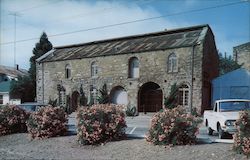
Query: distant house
241, 55
235, 84
8, 74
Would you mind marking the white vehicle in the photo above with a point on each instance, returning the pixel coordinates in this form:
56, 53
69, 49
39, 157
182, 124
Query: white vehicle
224, 115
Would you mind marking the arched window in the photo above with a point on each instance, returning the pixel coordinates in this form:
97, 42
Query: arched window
172, 63
133, 68
183, 95
67, 71
94, 69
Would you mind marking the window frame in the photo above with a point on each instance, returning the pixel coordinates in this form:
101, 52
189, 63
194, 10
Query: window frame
133, 64
183, 98
172, 63
94, 69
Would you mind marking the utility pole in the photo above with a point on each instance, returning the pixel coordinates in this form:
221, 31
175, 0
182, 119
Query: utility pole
15, 14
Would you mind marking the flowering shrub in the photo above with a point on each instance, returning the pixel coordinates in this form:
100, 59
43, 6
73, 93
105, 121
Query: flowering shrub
100, 123
47, 122
173, 127
242, 137
12, 120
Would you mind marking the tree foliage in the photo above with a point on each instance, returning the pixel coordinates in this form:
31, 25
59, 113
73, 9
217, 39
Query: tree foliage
227, 64
171, 101
83, 98
42, 47
104, 96
25, 87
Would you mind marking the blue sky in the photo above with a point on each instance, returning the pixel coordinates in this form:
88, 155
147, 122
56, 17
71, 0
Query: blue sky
230, 24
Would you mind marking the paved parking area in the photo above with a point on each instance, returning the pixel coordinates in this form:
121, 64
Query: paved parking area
139, 125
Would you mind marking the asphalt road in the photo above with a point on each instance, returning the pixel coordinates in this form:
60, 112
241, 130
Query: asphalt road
139, 125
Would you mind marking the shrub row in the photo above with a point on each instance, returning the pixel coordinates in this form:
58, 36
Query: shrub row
12, 120
242, 136
100, 123
47, 122
173, 127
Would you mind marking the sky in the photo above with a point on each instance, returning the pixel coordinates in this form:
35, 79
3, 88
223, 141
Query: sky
77, 21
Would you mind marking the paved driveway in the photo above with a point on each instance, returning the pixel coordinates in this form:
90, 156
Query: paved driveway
139, 125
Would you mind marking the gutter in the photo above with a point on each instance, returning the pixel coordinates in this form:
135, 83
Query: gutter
192, 78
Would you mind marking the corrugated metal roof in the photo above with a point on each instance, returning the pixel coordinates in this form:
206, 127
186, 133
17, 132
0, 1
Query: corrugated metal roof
132, 44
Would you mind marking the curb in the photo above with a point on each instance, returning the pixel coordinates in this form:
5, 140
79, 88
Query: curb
204, 141
136, 136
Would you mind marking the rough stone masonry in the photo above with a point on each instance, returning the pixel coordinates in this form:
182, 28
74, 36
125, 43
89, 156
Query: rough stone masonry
138, 70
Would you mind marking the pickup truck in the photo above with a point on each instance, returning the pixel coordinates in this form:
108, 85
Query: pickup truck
223, 116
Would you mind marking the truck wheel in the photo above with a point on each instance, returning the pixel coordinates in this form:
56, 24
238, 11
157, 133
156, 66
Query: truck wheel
209, 131
221, 133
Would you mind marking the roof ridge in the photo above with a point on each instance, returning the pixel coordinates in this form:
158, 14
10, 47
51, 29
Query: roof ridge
158, 33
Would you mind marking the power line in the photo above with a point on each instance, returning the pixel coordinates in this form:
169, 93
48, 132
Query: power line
38, 6
134, 21
84, 14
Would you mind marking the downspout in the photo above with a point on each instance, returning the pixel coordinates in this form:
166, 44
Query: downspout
192, 78
43, 80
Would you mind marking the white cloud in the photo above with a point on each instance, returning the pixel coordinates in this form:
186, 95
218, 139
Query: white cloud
69, 16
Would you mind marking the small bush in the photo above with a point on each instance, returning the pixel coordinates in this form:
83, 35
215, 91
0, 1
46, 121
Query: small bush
195, 112
131, 111
173, 127
12, 120
100, 123
242, 136
47, 122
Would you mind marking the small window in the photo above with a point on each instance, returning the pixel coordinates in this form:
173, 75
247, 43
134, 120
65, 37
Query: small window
133, 68
67, 71
172, 63
94, 69
1, 99
184, 95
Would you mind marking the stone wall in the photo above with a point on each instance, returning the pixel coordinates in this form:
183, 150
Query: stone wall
197, 66
242, 55
113, 70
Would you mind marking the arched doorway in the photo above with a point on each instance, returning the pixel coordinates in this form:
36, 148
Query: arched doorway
74, 101
118, 95
150, 97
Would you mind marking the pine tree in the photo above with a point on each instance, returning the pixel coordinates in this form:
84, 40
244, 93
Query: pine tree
42, 47
25, 87
172, 100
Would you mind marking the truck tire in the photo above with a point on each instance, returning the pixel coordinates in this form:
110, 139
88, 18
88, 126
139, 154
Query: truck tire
222, 134
209, 131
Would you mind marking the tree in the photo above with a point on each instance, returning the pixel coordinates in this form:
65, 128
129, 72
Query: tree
172, 100
104, 97
83, 98
42, 47
25, 87
227, 64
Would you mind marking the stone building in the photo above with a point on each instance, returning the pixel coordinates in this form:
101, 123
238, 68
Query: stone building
138, 70
241, 54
